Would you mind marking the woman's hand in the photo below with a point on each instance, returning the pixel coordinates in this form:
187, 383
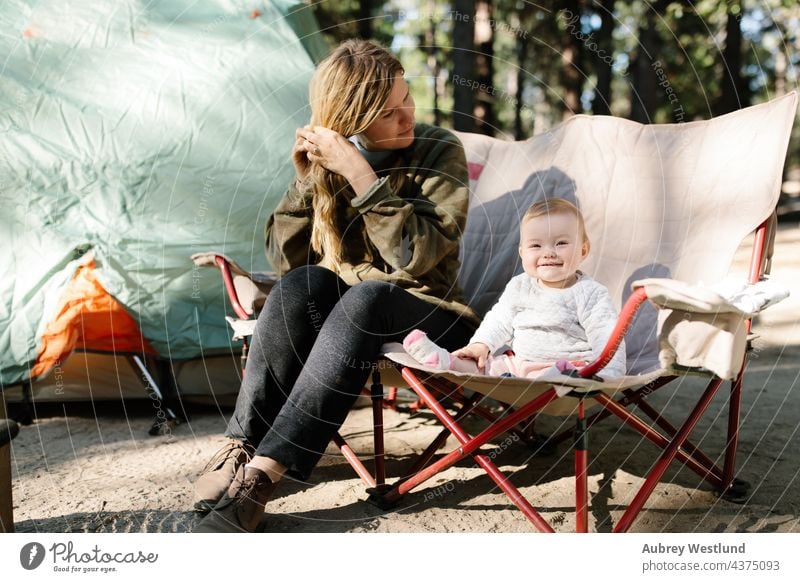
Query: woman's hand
300, 151
477, 352
335, 153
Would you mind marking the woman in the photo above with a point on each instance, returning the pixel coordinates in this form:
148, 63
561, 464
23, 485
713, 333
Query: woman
366, 240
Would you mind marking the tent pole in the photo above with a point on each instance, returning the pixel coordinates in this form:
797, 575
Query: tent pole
165, 417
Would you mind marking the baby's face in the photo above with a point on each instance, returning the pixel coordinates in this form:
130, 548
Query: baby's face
552, 248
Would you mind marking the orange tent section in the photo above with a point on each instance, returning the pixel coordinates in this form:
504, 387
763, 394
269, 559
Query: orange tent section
88, 318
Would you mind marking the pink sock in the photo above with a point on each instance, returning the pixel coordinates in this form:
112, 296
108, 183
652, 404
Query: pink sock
425, 351
564, 366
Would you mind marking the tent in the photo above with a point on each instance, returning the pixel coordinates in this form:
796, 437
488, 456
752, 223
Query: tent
135, 134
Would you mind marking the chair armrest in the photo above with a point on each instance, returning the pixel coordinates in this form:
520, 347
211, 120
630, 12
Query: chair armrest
246, 291
624, 322
700, 330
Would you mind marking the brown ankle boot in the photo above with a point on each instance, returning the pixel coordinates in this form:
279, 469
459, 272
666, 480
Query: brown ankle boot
216, 476
241, 508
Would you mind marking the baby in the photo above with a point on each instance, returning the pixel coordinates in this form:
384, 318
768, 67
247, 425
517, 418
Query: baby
552, 314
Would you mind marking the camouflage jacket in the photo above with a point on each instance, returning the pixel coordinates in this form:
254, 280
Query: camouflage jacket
412, 231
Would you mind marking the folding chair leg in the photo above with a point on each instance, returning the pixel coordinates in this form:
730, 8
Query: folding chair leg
525, 430
391, 400
470, 446
581, 472
353, 460
377, 428
732, 442
671, 431
513, 494
243, 357
614, 407
666, 458
440, 439
637, 398
630, 397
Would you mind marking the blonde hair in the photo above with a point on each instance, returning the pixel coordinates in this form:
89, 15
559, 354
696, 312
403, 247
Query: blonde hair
557, 206
347, 93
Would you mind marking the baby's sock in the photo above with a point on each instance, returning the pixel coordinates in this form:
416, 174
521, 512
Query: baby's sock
564, 366
425, 351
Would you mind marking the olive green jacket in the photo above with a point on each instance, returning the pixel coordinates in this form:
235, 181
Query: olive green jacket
412, 233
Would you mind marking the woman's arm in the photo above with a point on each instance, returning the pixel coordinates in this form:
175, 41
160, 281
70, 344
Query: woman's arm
289, 232
415, 234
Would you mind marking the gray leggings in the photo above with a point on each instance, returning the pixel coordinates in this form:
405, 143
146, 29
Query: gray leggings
312, 351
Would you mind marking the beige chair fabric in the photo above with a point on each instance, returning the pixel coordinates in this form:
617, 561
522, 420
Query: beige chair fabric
659, 201
698, 328
517, 391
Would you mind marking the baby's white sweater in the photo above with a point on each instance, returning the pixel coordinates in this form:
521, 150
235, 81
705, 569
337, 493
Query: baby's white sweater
544, 325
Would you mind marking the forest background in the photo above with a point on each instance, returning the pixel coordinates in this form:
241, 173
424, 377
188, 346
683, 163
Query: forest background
515, 68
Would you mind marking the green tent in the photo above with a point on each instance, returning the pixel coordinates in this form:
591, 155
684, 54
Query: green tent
133, 135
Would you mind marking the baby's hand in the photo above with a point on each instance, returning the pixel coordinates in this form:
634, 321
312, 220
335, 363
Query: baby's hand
477, 352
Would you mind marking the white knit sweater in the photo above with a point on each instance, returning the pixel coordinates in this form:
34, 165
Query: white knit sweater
544, 325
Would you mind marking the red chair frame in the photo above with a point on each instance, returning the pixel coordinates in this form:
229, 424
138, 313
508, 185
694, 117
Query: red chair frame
674, 443
433, 391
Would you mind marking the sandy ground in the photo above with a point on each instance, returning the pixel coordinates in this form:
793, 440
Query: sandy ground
98, 471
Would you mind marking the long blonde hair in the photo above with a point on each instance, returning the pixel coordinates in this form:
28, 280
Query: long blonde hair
347, 92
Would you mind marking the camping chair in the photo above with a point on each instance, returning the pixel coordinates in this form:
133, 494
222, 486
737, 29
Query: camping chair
665, 207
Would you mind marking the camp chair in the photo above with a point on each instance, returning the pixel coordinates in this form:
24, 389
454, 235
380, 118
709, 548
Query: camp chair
666, 208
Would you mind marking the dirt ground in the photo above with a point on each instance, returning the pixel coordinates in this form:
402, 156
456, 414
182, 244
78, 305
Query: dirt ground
95, 469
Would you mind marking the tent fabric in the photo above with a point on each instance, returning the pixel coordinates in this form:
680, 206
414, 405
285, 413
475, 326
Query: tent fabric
88, 318
135, 134
104, 377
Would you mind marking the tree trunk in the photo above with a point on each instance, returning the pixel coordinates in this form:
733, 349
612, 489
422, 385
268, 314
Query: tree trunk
433, 60
463, 64
734, 93
522, 51
644, 95
365, 19
571, 76
484, 68
780, 73
601, 104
